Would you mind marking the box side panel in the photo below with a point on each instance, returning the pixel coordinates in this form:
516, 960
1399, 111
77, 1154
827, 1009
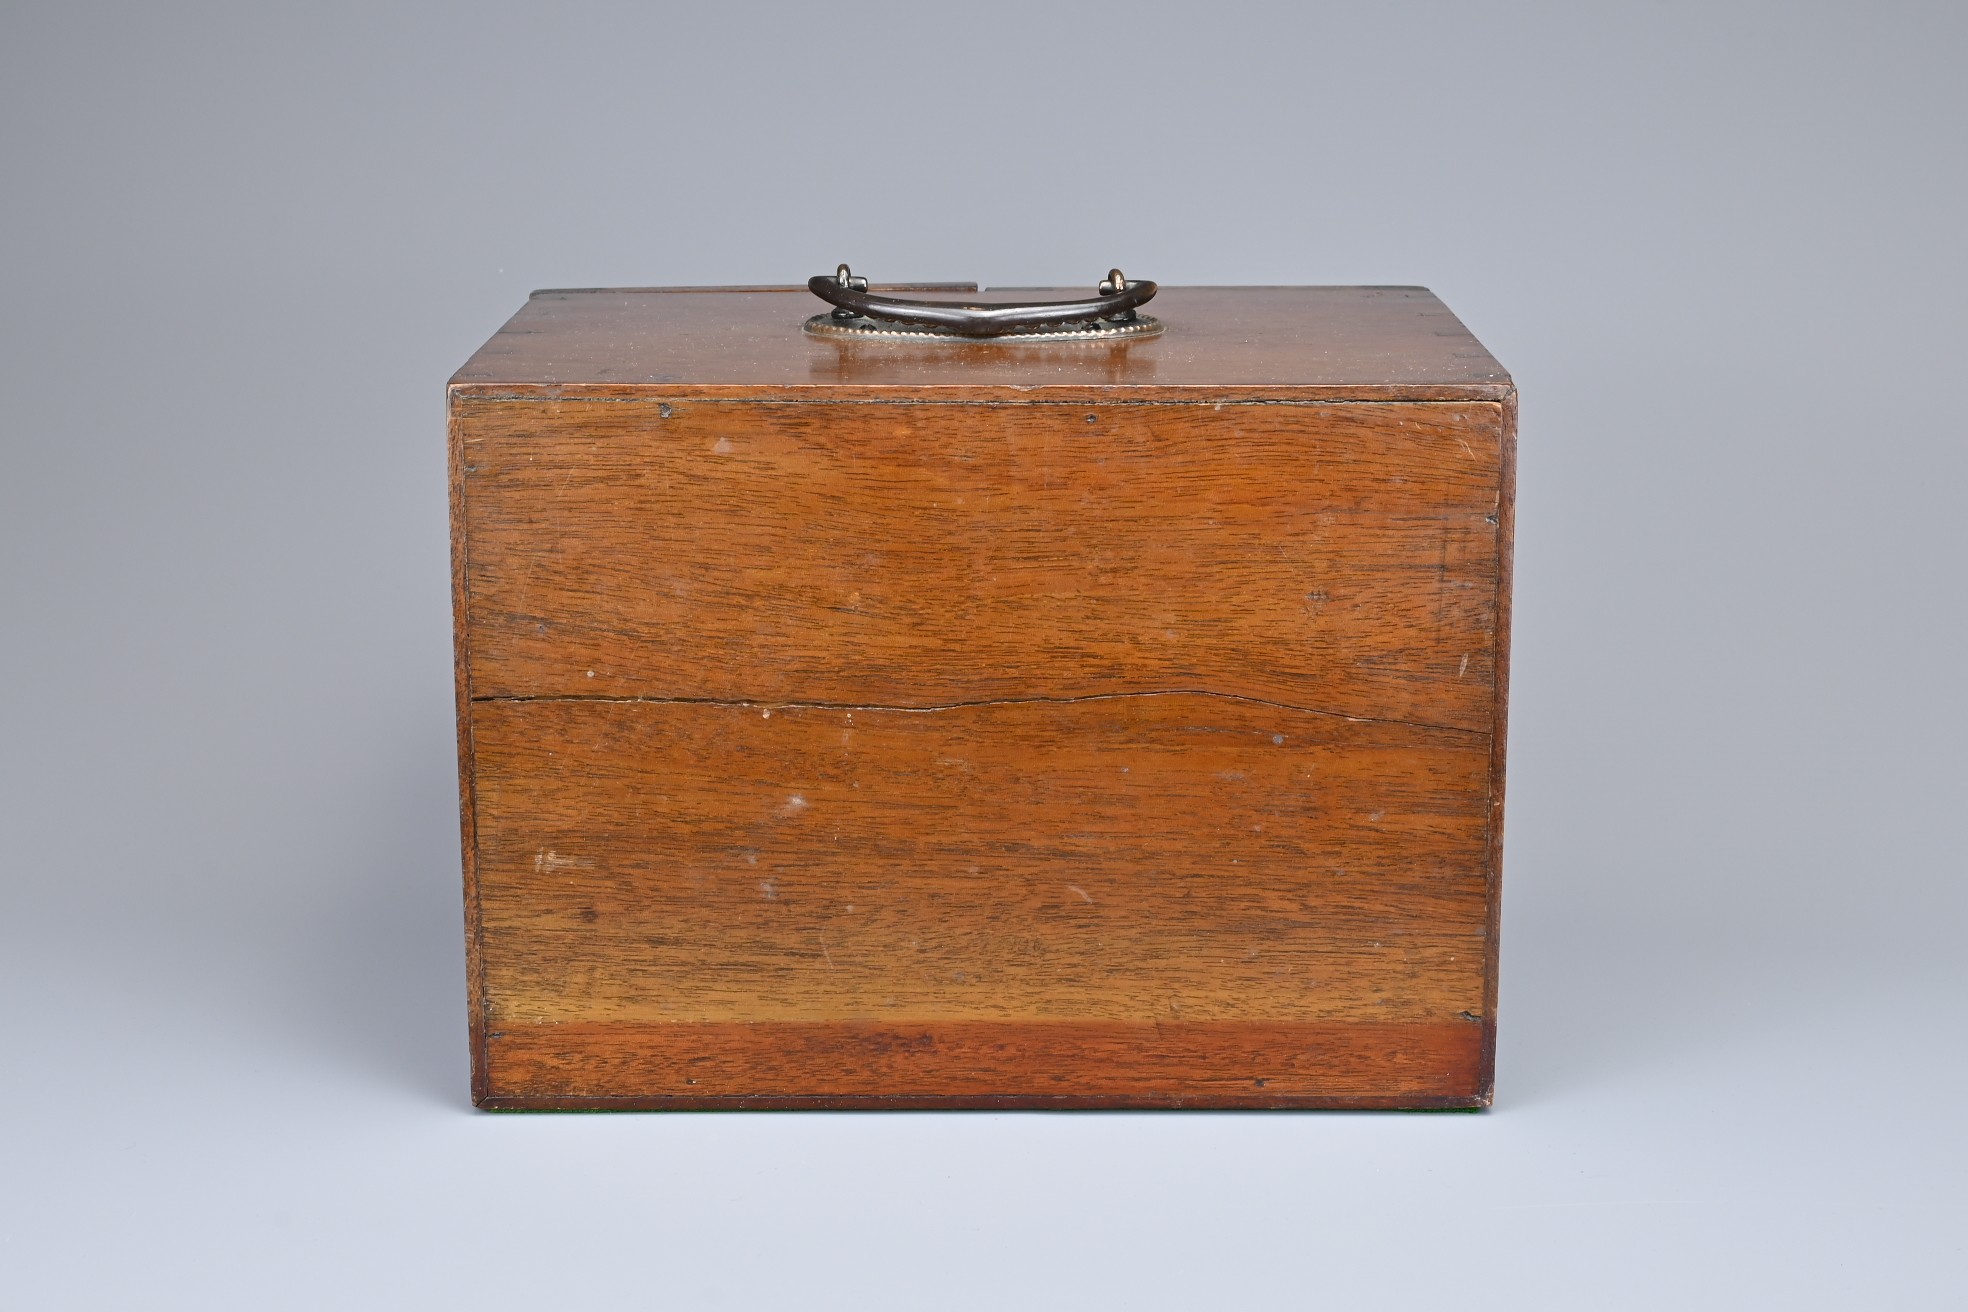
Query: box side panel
1506, 538
1337, 557
455, 424
1149, 899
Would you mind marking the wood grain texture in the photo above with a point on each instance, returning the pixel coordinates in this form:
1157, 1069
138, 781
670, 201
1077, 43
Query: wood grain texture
1335, 557
467, 765
1499, 724
940, 727
1162, 857
1351, 343
1080, 1064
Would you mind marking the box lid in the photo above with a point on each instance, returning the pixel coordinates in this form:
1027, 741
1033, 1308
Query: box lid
1367, 343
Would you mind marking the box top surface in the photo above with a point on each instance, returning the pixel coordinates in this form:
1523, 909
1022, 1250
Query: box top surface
1370, 343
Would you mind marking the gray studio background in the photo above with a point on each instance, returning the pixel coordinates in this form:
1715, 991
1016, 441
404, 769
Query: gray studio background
1721, 248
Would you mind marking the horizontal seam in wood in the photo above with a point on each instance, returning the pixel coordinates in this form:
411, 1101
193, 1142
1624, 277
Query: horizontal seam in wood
507, 397
749, 704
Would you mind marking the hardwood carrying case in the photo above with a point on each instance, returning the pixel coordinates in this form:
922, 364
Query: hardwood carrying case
863, 718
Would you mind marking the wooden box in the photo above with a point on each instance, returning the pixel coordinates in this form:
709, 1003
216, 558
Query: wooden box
951, 724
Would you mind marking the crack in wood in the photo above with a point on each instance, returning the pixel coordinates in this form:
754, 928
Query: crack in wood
757, 704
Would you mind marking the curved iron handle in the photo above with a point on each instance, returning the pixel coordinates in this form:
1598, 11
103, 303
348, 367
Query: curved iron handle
1117, 300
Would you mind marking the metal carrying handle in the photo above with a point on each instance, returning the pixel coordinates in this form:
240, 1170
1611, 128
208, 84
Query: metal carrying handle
852, 299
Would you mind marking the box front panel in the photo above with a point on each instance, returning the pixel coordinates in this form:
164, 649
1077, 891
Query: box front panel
946, 755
